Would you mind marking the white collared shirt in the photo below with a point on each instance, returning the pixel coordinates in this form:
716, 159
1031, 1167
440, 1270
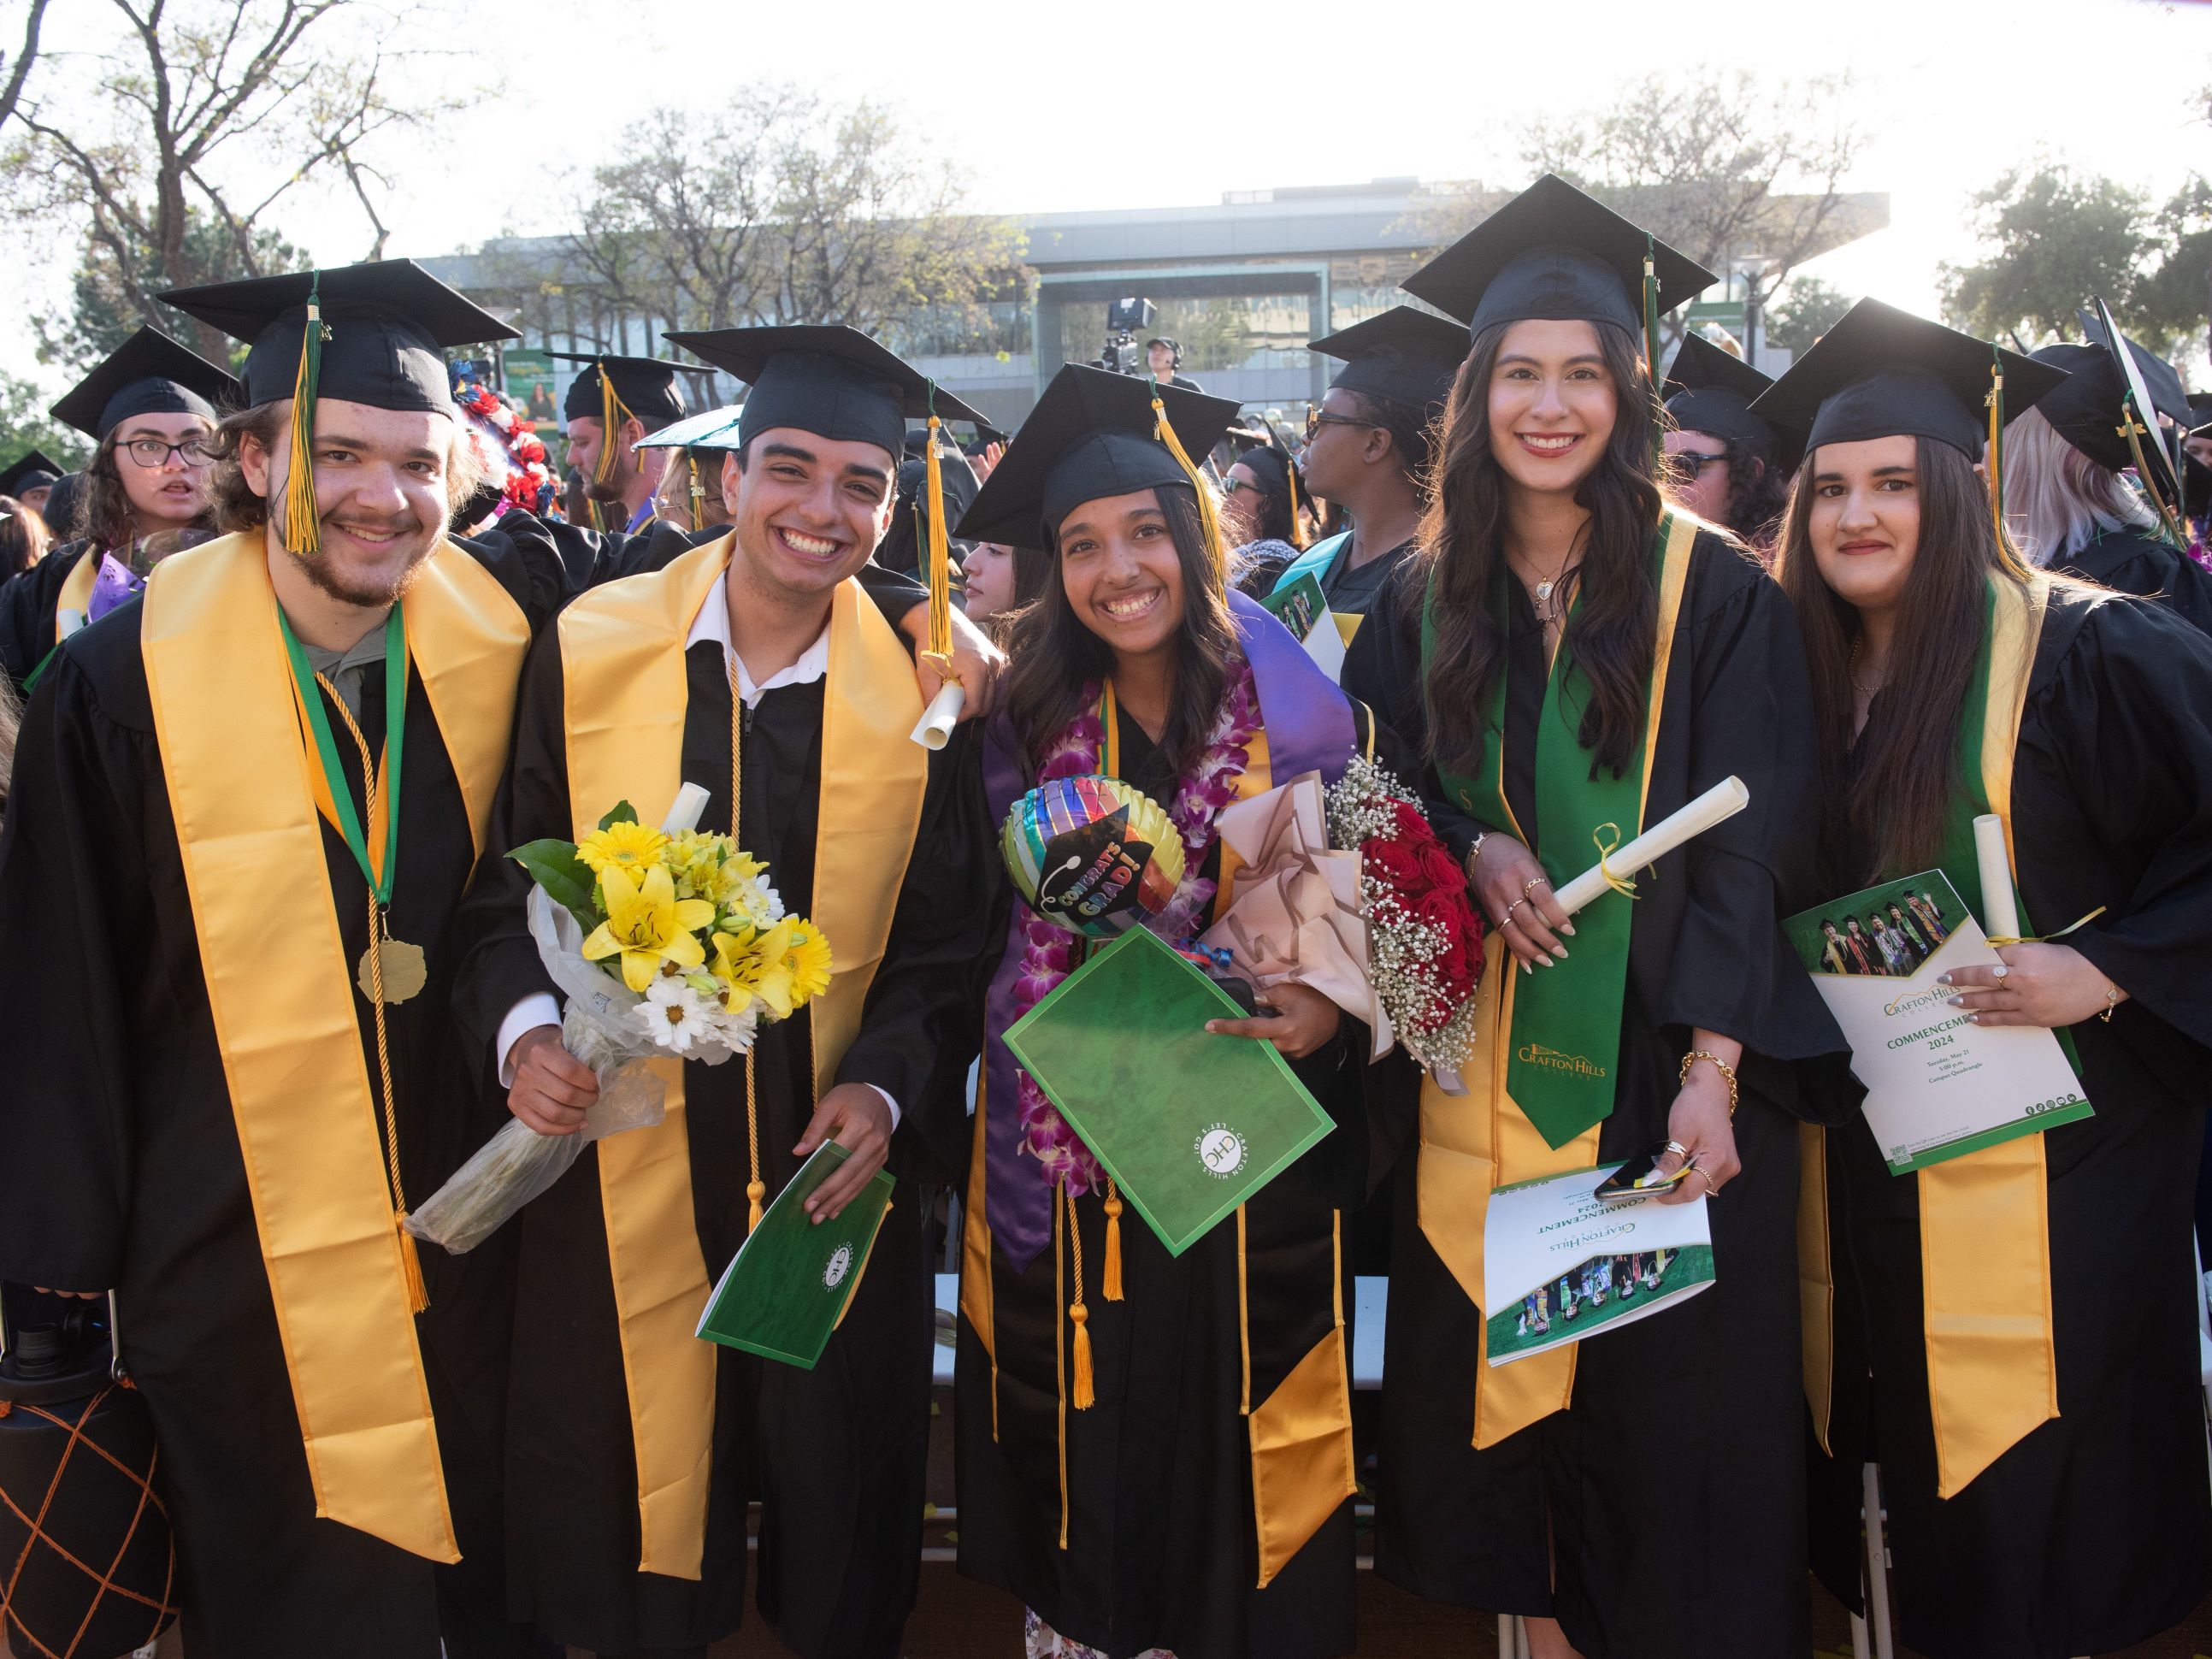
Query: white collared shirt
713, 623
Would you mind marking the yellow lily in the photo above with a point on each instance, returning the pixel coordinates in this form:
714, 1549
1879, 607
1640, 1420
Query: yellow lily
647, 925
782, 966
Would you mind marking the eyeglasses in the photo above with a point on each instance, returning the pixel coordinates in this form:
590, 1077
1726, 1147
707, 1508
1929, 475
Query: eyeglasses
1315, 420
153, 453
1231, 486
1688, 464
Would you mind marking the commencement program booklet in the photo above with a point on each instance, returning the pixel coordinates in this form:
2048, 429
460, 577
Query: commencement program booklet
1938, 1086
790, 1282
1189, 1124
1302, 608
1559, 1264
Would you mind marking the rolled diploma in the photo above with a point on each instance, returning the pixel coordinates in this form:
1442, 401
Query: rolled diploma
1724, 800
941, 716
690, 802
2000, 915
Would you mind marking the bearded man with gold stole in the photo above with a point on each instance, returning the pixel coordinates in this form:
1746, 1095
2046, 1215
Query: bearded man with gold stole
246, 807
754, 666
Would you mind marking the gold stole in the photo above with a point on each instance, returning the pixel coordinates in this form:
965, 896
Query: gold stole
1474, 1144
282, 992
77, 588
622, 659
1985, 1218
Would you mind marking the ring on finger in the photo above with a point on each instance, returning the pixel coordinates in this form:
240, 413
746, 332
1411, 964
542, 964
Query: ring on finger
1999, 971
1533, 884
1506, 921
1678, 1149
1711, 1186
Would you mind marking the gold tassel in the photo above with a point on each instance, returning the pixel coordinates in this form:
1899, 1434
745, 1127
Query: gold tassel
302, 530
1209, 525
1109, 1276
1996, 401
939, 572
1083, 1392
1297, 527
410, 1266
612, 416
698, 489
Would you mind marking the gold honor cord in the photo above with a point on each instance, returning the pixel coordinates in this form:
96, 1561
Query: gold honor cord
302, 528
1209, 522
755, 1188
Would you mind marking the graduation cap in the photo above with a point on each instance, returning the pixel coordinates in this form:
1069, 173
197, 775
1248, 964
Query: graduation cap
1711, 390
2161, 380
1095, 434
1405, 355
1883, 372
374, 334
1554, 252
149, 374
712, 428
30, 470
826, 379
2136, 388
611, 389
1273, 465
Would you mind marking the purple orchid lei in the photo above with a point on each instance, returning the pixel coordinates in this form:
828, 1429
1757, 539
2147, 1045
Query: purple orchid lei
1049, 952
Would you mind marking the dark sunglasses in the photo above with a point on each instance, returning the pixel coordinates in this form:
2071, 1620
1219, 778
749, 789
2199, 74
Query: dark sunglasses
1688, 464
1315, 420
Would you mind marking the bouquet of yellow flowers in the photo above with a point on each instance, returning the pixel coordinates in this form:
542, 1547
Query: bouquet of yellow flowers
687, 924
669, 944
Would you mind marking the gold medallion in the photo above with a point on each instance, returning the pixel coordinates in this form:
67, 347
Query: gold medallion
406, 970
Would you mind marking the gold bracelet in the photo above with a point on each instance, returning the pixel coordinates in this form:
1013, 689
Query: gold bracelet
1719, 1065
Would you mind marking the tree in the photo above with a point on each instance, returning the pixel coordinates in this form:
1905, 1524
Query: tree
109, 298
778, 206
215, 111
1802, 312
2056, 237
1723, 166
2175, 302
25, 424
18, 71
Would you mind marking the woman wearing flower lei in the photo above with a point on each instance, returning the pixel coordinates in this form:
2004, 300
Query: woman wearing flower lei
1198, 1504
1580, 657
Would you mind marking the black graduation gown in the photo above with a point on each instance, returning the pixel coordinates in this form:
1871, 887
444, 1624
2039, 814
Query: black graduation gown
835, 1456
2094, 1531
1675, 1522
26, 611
2136, 562
119, 1160
1161, 1548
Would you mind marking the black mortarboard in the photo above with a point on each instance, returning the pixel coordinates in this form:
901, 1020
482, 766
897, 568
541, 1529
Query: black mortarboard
2200, 412
826, 379
1553, 252
1709, 389
2151, 387
1092, 434
30, 470
2086, 411
1405, 355
1882, 373
646, 386
2160, 379
387, 326
149, 374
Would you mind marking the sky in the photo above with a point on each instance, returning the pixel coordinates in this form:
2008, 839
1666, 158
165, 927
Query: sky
1060, 107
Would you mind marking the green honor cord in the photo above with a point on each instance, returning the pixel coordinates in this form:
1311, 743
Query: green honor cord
395, 732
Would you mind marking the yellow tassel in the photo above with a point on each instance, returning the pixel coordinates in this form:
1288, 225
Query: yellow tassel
1109, 1276
939, 570
1298, 526
1209, 524
302, 529
1997, 452
612, 416
755, 1191
410, 1266
1084, 1395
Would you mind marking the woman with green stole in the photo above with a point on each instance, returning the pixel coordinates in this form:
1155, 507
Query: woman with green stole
1577, 657
1155, 1451
2009, 1333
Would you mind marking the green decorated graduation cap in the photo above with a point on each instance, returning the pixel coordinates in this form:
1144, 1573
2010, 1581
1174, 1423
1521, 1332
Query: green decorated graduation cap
1405, 355
612, 388
33, 469
149, 374
1094, 435
826, 379
374, 334
1882, 373
1711, 390
1555, 252
712, 428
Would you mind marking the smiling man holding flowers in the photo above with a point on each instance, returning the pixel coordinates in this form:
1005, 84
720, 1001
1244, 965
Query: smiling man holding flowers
754, 666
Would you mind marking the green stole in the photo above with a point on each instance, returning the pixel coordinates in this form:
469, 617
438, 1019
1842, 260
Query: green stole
1565, 1037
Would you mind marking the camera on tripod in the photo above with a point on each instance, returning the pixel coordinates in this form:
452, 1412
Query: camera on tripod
1122, 355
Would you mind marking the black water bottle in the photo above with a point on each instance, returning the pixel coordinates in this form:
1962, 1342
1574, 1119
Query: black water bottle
90, 1572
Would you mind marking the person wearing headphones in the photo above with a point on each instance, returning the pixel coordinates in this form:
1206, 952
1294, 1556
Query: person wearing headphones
1165, 358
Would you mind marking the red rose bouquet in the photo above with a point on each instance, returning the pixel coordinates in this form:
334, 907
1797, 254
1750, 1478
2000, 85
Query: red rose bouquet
1424, 937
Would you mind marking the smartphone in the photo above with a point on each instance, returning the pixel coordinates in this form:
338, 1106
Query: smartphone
1635, 1179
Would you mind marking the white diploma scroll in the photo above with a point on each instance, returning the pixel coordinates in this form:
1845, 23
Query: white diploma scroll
941, 716
1723, 801
684, 814
2000, 915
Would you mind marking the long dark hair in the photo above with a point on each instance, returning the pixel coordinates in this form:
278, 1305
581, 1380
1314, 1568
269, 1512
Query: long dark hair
1756, 495
1054, 657
1908, 771
1463, 552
